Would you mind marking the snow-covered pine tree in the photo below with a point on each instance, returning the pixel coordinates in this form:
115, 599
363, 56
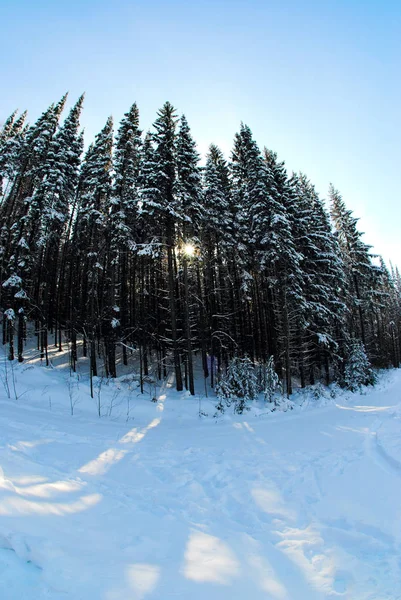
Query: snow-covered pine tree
242, 261
73, 257
217, 246
361, 273
324, 283
55, 196
189, 205
163, 207
88, 243
238, 385
121, 237
395, 323
271, 380
216, 197
152, 304
6, 129
358, 371
278, 297
20, 211
189, 183
32, 156
11, 138
386, 317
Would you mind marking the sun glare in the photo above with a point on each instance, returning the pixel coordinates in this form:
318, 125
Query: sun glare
189, 250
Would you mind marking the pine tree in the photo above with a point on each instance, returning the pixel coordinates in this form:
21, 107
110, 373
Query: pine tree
324, 282
238, 385
270, 380
217, 246
361, 273
264, 192
189, 182
11, 138
164, 207
88, 240
386, 317
121, 235
358, 371
189, 201
21, 211
150, 324
55, 196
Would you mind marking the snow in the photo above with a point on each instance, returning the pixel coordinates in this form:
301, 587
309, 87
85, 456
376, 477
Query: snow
13, 281
152, 501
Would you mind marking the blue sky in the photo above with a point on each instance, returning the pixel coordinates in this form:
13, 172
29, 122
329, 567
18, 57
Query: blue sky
318, 82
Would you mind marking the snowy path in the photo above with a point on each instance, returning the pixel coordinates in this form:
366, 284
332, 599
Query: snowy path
295, 506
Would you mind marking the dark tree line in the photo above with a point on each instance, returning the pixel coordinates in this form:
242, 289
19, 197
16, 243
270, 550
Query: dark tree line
135, 250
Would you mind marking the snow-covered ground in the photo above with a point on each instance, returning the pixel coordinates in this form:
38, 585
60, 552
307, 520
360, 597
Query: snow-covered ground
153, 501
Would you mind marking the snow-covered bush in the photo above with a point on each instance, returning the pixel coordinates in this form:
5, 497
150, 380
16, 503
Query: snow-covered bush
358, 371
271, 380
318, 391
283, 404
238, 385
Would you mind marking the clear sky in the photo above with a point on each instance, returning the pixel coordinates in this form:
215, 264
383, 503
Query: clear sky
317, 81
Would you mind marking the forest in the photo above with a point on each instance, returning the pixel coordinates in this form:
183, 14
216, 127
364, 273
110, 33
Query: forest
132, 252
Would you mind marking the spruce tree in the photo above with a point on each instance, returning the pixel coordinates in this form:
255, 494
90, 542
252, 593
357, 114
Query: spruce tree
263, 195
238, 385
21, 211
189, 202
11, 138
362, 274
324, 282
121, 236
217, 246
358, 371
165, 206
88, 241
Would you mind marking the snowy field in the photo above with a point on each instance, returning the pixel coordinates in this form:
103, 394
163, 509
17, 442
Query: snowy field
152, 501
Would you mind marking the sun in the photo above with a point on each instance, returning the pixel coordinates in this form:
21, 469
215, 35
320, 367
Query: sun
189, 250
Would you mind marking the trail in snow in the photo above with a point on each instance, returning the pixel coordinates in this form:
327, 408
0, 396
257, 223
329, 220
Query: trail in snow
388, 463
296, 506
